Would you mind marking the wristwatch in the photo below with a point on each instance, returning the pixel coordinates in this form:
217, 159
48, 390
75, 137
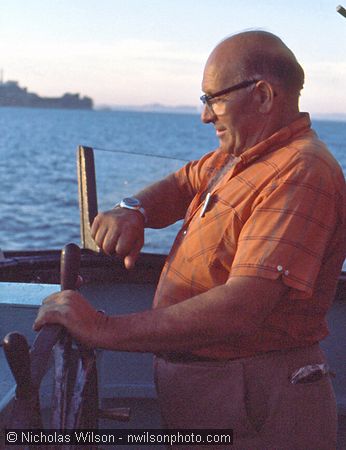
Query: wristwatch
134, 204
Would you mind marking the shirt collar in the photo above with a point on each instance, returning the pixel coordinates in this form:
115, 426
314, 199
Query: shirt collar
279, 138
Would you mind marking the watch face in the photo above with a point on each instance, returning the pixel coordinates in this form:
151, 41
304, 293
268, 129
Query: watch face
130, 202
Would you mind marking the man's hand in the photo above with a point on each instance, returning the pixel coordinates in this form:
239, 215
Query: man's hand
119, 231
74, 312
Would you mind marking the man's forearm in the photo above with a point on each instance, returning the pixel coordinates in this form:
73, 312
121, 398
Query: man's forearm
163, 202
224, 312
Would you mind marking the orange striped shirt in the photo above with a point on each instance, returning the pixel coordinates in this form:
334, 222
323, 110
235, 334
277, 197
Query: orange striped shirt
278, 210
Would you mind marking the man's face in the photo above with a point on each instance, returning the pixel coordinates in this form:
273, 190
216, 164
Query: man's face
232, 114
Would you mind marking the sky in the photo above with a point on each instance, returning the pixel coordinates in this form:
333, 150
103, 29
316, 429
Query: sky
135, 52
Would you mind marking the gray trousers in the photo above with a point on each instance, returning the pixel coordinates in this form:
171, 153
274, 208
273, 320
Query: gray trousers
252, 396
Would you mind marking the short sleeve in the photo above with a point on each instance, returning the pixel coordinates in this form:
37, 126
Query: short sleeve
191, 176
288, 231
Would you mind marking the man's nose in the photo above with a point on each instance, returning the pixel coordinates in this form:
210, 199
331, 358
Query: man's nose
207, 115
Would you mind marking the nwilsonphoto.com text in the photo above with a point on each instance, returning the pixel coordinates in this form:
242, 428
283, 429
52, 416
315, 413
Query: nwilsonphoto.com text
138, 437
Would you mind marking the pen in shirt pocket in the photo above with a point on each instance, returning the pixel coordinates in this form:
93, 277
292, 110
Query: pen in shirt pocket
205, 204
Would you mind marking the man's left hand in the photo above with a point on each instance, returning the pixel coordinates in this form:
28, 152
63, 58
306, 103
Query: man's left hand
71, 310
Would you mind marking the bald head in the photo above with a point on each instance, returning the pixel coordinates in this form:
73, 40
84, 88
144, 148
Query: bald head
247, 115
257, 54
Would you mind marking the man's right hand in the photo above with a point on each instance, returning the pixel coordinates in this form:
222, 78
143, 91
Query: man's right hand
119, 231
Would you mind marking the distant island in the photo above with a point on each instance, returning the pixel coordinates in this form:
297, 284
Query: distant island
11, 94
153, 107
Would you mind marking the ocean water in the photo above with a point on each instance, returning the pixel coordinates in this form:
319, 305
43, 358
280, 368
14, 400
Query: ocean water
38, 177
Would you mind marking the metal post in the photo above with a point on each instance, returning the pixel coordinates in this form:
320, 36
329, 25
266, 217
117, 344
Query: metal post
87, 195
341, 10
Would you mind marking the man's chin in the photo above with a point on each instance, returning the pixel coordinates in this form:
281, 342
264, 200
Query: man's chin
226, 147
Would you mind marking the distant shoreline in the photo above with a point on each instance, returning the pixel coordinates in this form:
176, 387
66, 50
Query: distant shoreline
160, 108
152, 107
165, 109
333, 117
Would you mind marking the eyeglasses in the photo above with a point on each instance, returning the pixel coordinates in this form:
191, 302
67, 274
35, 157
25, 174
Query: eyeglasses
216, 104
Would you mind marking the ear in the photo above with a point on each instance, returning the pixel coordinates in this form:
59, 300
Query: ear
264, 96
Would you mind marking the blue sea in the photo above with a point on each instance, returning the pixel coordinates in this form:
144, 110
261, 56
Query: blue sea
39, 194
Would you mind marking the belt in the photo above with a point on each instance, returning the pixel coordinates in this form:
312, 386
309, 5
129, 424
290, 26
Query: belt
177, 357
186, 357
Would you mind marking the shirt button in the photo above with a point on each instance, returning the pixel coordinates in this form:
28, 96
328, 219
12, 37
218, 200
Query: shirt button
280, 268
286, 272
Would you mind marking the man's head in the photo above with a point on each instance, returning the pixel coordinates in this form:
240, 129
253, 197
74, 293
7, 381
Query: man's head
252, 111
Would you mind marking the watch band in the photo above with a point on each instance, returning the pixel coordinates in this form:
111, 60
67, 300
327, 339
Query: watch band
134, 204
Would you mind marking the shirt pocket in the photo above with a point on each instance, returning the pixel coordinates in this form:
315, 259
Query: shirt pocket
211, 240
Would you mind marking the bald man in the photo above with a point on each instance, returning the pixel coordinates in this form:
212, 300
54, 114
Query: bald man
241, 303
